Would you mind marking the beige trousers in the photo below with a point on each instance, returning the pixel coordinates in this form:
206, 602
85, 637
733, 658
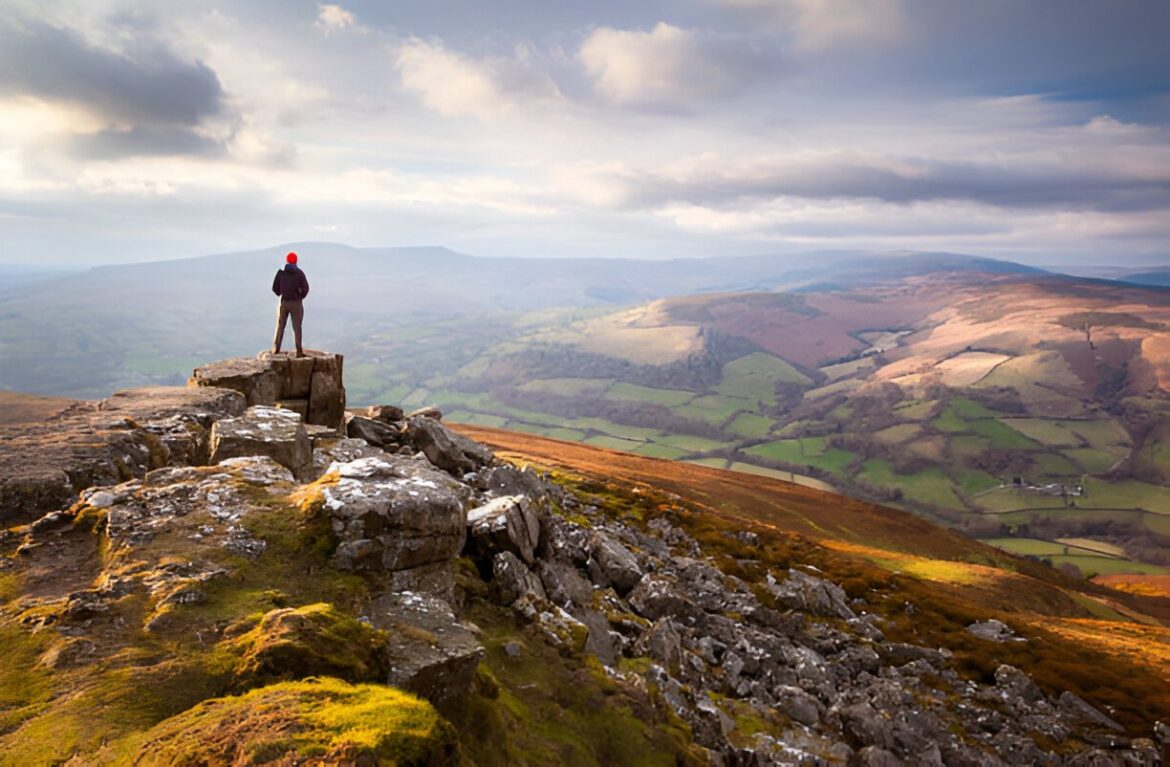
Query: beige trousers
289, 308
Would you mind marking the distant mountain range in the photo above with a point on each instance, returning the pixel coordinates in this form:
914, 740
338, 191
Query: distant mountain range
146, 323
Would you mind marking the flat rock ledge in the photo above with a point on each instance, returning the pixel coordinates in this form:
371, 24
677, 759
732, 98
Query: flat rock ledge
311, 385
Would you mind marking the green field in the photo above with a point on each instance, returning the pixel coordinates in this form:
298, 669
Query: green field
971, 482
1125, 494
690, 444
750, 425
615, 443
569, 387
1092, 461
913, 410
930, 486
656, 450
1054, 466
1026, 546
666, 397
810, 451
1089, 564
894, 435
1052, 433
755, 376
1000, 435
714, 409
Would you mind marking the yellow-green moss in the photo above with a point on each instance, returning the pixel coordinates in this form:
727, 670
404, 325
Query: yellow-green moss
312, 640
320, 718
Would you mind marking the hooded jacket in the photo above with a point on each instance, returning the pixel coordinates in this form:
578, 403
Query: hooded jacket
290, 283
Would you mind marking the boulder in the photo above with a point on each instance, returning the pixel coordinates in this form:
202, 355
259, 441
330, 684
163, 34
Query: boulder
612, 564
386, 413
563, 584
514, 581
658, 595
444, 448
602, 642
430, 653
993, 631
394, 513
278, 434
1077, 709
662, 643
377, 433
808, 593
430, 411
509, 524
1018, 684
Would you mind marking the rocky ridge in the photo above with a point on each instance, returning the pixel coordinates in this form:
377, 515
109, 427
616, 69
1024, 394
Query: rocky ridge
373, 548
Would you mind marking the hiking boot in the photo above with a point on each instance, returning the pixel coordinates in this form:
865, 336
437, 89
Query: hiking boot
300, 353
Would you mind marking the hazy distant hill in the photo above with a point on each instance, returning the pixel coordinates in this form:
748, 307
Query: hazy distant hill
86, 334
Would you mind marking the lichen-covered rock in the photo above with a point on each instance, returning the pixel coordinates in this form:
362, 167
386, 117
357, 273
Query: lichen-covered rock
993, 631
509, 523
563, 584
430, 653
268, 431
446, 449
514, 581
104, 443
612, 564
394, 513
314, 640
311, 385
801, 591
320, 721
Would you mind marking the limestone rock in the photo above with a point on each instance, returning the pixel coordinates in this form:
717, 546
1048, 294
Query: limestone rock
563, 584
311, 386
430, 653
504, 524
514, 581
430, 411
801, 591
394, 513
993, 631
278, 434
377, 433
613, 564
446, 449
104, 443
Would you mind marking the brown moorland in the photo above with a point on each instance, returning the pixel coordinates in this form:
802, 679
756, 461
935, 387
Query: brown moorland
1109, 646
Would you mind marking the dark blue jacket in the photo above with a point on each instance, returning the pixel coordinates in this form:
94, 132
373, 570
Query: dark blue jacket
290, 283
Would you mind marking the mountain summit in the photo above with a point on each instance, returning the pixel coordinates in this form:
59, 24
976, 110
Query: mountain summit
199, 576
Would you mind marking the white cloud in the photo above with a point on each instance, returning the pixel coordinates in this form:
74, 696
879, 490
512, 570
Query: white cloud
448, 82
334, 18
452, 83
668, 66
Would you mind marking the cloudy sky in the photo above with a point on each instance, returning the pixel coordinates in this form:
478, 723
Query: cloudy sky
134, 130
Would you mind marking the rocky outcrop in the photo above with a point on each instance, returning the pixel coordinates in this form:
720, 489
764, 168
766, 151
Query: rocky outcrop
311, 386
509, 523
397, 514
104, 443
269, 431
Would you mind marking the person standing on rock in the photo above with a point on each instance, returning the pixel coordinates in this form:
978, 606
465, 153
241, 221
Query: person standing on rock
292, 286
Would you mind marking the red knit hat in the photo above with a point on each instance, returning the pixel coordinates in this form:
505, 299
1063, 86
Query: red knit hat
291, 258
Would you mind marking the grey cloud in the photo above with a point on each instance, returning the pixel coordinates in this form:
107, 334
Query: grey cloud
920, 181
152, 87
143, 142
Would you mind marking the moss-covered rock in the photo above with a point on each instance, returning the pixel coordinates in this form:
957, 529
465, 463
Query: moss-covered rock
323, 720
317, 639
